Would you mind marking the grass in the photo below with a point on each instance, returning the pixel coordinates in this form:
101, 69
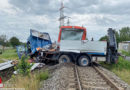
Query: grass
9, 54
31, 82
1, 61
121, 69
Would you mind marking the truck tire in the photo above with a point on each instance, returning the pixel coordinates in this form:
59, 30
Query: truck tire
84, 61
64, 59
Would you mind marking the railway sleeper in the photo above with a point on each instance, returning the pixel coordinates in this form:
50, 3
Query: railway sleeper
94, 83
88, 87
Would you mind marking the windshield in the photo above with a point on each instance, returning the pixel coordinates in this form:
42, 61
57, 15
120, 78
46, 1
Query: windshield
71, 34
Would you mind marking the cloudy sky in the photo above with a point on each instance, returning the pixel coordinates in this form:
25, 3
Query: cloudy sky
17, 17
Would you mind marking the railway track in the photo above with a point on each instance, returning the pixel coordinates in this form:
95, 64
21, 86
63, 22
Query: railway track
89, 78
73, 77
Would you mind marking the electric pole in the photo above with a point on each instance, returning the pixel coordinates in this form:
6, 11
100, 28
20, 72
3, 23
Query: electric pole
68, 22
62, 17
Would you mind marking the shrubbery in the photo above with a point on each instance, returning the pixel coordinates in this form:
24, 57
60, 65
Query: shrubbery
126, 53
27, 79
122, 64
121, 69
23, 67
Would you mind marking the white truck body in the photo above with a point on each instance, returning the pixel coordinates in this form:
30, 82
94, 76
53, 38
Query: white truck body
92, 47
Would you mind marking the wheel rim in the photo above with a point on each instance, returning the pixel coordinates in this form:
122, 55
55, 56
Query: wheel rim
64, 60
84, 61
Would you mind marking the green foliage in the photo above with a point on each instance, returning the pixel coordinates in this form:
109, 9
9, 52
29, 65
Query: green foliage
117, 36
9, 54
0, 51
3, 40
125, 34
1, 61
30, 82
122, 64
23, 67
14, 41
125, 53
7, 44
122, 35
42, 75
104, 38
121, 69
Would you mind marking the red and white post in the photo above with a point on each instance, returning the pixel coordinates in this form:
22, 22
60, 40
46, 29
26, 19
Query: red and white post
1, 85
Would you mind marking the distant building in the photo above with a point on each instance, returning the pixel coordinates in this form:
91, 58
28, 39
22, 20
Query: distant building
125, 45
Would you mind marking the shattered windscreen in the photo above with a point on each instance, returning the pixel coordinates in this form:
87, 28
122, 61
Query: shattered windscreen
71, 34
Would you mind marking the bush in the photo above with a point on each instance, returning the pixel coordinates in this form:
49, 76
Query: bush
122, 64
126, 53
30, 82
23, 67
43, 76
0, 51
121, 69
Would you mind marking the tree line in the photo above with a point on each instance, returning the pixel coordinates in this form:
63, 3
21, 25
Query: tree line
122, 35
12, 42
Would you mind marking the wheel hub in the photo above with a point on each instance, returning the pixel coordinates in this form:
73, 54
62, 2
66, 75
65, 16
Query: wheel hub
84, 61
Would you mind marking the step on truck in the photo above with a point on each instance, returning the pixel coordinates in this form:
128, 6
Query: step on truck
74, 47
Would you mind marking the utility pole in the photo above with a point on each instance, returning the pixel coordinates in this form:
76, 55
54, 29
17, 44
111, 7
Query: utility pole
62, 17
68, 22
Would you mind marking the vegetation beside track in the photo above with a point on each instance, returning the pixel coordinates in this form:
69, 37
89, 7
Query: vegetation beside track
126, 53
1, 61
29, 82
9, 54
27, 79
121, 69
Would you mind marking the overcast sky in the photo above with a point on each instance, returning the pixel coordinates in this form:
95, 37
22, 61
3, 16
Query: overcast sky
17, 17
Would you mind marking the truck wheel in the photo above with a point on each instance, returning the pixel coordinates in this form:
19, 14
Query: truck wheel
64, 59
84, 61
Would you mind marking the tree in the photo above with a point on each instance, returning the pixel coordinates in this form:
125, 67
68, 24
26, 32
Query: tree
7, 44
104, 38
14, 41
3, 40
122, 35
125, 34
117, 36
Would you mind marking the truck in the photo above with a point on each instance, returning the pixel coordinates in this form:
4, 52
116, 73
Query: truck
35, 41
74, 47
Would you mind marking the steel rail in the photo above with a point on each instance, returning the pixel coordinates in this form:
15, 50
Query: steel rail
77, 76
107, 79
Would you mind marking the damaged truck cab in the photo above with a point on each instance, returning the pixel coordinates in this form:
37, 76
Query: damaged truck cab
72, 33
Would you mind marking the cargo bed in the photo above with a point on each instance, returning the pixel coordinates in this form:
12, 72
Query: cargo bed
90, 47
